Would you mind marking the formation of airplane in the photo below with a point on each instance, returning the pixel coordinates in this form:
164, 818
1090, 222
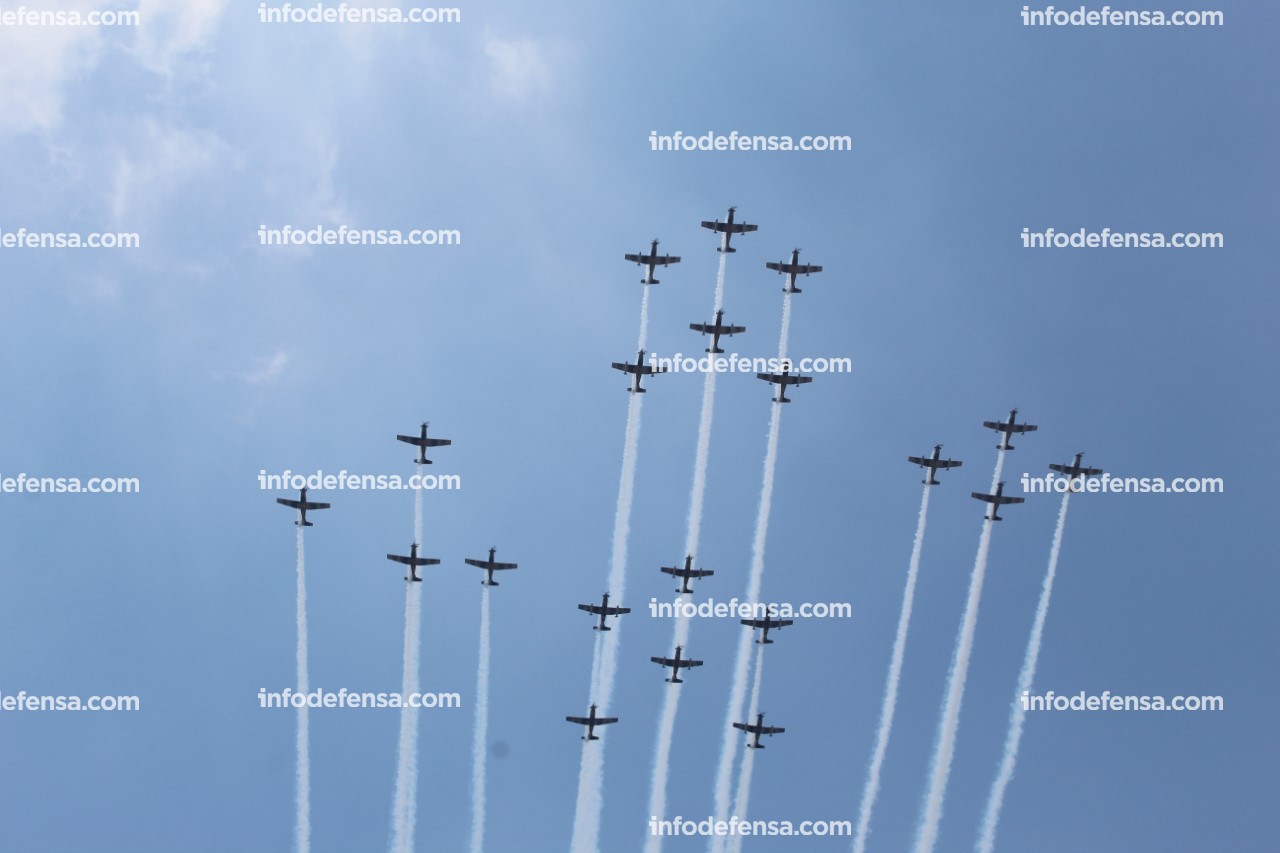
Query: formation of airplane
490, 565
686, 573
638, 370
591, 721
413, 561
782, 380
758, 728
1008, 428
997, 500
1075, 469
728, 228
934, 463
302, 505
716, 329
676, 663
422, 443
603, 610
765, 624
652, 260
792, 269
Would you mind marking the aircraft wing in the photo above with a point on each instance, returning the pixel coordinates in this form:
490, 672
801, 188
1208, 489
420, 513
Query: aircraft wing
746, 727
637, 259
983, 497
769, 730
582, 721
918, 460
998, 427
485, 564
714, 226
289, 503
1020, 428
414, 561
732, 330
604, 721
498, 567
949, 463
313, 505
663, 260
742, 228
625, 368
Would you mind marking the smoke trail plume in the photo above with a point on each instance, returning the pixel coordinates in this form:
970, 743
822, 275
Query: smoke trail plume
478, 751
737, 694
590, 801
742, 800
890, 702
990, 819
404, 812
302, 821
931, 815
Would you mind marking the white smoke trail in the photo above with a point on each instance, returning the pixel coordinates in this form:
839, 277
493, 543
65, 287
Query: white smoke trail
890, 702
302, 822
987, 837
478, 750
737, 694
404, 811
693, 533
940, 769
586, 819
742, 800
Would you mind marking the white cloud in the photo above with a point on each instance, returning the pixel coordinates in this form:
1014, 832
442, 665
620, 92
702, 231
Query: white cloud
159, 161
172, 30
518, 68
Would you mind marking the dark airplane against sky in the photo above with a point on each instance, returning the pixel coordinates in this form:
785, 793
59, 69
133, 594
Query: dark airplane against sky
934, 463
686, 573
638, 370
716, 329
676, 664
997, 500
652, 260
591, 721
413, 561
1075, 469
422, 443
1008, 428
792, 269
603, 610
728, 228
782, 380
302, 505
758, 728
765, 625
491, 566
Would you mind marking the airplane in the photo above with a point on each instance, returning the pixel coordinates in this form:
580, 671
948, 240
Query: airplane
302, 505
1009, 427
934, 463
677, 663
603, 610
792, 269
766, 623
997, 500
728, 228
638, 370
1075, 469
591, 721
716, 329
757, 729
783, 379
413, 561
651, 260
686, 574
422, 443
490, 566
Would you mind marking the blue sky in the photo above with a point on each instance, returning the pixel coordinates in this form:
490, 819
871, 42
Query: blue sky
202, 358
